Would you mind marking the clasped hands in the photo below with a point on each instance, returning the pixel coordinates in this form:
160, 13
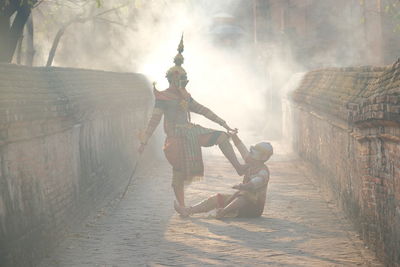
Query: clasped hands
230, 130
238, 186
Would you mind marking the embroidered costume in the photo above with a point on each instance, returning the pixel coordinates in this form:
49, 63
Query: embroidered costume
255, 198
249, 200
182, 148
184, 139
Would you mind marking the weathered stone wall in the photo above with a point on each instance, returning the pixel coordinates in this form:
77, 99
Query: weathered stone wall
347, 124
67, 144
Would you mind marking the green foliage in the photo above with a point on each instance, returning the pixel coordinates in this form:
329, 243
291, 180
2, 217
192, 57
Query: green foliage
99, 3
393, 10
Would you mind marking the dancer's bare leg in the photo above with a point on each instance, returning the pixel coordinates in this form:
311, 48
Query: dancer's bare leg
235, 205
179, 194
204, 206
227, 150
229, 153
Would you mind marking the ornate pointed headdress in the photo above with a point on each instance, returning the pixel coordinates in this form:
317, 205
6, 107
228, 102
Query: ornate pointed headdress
178, 59
176, 71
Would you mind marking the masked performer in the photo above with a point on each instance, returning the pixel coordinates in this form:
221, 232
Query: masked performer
249, 199
184, 139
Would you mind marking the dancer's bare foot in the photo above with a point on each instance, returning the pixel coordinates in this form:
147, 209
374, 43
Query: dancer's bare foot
219, 213
181, 210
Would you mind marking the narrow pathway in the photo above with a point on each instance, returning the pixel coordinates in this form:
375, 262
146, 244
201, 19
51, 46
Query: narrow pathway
298, 227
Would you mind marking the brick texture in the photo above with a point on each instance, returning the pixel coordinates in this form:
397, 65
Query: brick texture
346, 122
67, 144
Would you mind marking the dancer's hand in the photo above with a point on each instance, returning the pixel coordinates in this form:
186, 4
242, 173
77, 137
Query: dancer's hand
219, 214
234, 136
141, 148
142, 138
233, 131
229, 129
237, 186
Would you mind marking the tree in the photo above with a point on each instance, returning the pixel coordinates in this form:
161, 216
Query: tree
77, 19
392, 8
13, 17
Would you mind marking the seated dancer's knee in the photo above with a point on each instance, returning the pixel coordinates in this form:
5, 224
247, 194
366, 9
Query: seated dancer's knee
220, 201
216, 201
210, 203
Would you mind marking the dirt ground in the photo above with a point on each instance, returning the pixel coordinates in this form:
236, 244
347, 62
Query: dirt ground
299, 226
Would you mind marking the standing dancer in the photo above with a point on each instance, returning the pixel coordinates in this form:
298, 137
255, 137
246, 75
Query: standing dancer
184, 140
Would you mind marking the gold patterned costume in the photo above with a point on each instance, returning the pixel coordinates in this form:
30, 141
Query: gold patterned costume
184, 139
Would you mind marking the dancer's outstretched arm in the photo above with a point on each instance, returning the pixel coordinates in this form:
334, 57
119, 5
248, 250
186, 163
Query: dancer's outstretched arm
223, 140
151, 126
244, 152
196, 107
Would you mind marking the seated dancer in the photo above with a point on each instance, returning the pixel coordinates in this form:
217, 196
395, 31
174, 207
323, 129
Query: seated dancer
249, 199
184, 139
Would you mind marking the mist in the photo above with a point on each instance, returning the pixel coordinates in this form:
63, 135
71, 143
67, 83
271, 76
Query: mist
241, 77
80, 187
229, 76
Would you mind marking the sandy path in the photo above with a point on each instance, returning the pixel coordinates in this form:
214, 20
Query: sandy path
298, 227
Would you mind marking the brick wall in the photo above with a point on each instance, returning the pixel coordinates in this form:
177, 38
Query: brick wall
67, 144
347, 124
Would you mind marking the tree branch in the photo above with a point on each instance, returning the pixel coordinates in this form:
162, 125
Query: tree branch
38, 3
62, 30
